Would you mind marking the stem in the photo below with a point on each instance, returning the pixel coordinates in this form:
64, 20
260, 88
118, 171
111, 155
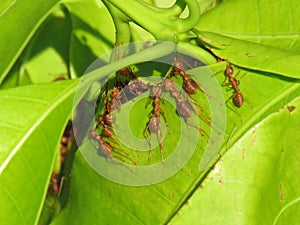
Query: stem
198, 52
177, 8
157, 23
123, 32
157, 51
173, 11
164, 24
183, 25
121, 22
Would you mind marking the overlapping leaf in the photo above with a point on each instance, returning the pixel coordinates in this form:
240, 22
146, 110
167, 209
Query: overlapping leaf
256, 182
32, 121
250, 39
18, 21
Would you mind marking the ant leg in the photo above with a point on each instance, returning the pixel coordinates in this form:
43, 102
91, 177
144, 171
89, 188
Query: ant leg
199, 105
201, 88
159, 138
189, 123
147, 135
119, 163
227, 84
208, 122
165, 119
230, 136
250, 105
121, 152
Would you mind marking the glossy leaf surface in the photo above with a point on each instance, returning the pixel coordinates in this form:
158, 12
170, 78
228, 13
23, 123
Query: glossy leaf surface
32, 121
256, 182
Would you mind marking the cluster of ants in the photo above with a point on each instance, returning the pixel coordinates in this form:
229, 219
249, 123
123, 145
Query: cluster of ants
136, 87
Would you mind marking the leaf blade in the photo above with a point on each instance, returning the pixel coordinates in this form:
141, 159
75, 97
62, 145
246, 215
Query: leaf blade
31, 157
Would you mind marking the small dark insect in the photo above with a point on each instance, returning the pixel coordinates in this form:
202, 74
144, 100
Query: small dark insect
233, 83
291, 108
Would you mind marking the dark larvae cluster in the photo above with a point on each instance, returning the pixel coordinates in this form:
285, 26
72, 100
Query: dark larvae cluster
128, 86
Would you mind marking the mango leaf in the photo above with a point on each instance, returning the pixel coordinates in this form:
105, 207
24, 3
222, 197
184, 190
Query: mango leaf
92, 197
32, 122
93, 34
34, 116
250, 21
19, 20
49, 46
253, 56
256, 182
248, 38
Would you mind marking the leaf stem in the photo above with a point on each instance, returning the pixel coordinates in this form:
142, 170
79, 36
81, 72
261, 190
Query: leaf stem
198, 52
164, 24
155, 22
183, 25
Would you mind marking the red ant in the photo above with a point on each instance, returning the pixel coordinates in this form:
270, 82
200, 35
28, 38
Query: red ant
105, 149
135, 86
237, 96
183, 105
184, 108
127, 72
154, 122
107, 118
189, 85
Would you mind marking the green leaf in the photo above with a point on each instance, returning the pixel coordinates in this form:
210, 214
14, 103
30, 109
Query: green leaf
93, 34
256, 182
248, 38
91, 195
265, 22
34, 116
253, 56
48, 47
19, 20
32, 121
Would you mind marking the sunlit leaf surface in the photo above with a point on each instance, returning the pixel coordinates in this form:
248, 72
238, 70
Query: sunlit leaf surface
32, 121
256, 182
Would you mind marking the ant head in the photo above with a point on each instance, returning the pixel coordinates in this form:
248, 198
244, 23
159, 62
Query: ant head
229, 70
156, 90
93, 133
168, 84
178, 64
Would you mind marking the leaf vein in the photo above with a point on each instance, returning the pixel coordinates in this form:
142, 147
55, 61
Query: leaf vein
9, 194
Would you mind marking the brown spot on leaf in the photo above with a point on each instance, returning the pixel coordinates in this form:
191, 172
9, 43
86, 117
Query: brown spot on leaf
281, 196
291, 108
